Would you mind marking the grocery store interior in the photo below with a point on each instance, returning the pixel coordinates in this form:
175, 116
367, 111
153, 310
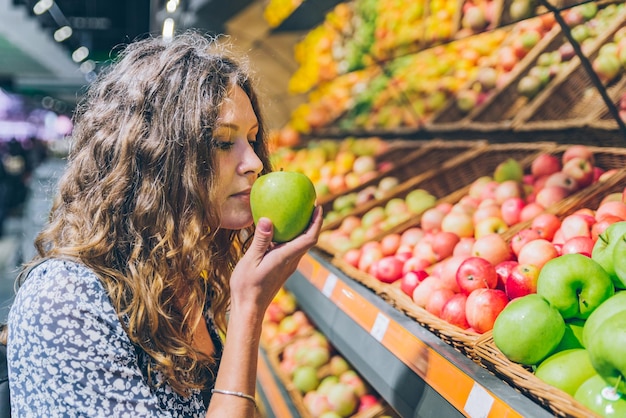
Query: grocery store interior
470, 159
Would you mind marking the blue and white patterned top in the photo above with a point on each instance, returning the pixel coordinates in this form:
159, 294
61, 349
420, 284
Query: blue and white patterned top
69, 356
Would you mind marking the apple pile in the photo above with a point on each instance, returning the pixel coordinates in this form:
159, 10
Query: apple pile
328, 384
283, 321
572, 330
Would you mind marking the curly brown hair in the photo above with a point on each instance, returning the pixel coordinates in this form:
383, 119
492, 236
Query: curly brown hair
135, 202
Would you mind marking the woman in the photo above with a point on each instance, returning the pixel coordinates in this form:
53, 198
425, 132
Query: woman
142, 261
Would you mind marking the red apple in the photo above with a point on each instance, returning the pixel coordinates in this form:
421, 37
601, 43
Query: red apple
562, 179
580, 169
453, 311
508, 189
388, 269
550, 195
425, 289
431, 219
448, 271
483, 307
522, 237
459, 223
476, 273
390, 243
577, 225
411, 236
537, 252
578, 150
493, 248
488, 210
546, 224
438, 299
611, 208
369, 255
531, 210
366, 402
503, 270
522, 281
477, 186
489, 226
545, 164
580, 245
511, 210
415, 264
464, 246
600, 226
443, 244
411, 279
352, 256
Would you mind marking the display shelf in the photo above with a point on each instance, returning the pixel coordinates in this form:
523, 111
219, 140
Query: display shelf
418, 374
273, 394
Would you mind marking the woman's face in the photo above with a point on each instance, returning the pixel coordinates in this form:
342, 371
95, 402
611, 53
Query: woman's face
239, 165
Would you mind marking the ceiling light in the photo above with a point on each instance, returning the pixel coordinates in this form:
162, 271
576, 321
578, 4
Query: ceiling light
80, 54
42, 6
62, 33
168, 29
171, 6
87, 66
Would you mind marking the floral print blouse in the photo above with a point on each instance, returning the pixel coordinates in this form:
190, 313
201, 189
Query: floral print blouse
69, 356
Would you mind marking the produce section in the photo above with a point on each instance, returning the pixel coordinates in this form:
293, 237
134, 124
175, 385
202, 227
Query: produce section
509, 116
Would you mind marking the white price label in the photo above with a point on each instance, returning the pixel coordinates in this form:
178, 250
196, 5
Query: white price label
329, 285
479, 402
380, 327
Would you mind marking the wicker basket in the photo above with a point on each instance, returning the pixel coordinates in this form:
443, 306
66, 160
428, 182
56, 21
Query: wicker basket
522, 379
605, 121
410, 164
571, 100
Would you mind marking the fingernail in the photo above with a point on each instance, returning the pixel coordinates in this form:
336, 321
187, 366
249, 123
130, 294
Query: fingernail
264, 225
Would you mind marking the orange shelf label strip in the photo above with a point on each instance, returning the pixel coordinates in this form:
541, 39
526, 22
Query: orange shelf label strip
271, 390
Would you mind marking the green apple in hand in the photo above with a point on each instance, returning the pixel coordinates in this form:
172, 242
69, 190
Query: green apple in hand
528, 329
603, 251
285, 197
613, 305
607, 351
575, 284
601, 398
566, 370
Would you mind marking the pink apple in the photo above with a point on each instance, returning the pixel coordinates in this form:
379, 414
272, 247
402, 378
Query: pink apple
577, 225
477, 186
366, 402
431, 219
390, 243
530, 211
522, 281
489, 226
546, 224
489, 210
369, 255
537, 252
511, 210
411, 279
438, 299
403, 254
448, 271
425, 289
522, 237
580, 245
611, 208
476, 273
545, 164
453, 311
415, 264
483, 307
503, 270
493, 248
508, 189
580, 169
577, 150
411, 236
424, 250
352, 256
443, 244
459, 223
551, 195
562, 179
464, 246
388, 269
489, 191
600, 226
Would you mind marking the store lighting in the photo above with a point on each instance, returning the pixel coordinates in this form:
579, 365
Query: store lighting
80, 54
171, 6
62, 33
168, 29
42, 6
87, 66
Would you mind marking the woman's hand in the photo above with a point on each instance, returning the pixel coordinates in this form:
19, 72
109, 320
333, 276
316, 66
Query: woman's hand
265, 266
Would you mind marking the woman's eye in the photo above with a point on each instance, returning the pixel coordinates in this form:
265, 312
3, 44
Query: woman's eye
224, 145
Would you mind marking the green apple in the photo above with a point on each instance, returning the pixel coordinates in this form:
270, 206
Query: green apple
607, 351
305, 378
510, 169
603, 250
574, 284
419, 200
573, 337
613, 305
528, 329
566, 370
285, 197
601, 398
619, 262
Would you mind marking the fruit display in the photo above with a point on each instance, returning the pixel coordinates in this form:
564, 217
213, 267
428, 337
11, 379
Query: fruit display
283, 321
277, 11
